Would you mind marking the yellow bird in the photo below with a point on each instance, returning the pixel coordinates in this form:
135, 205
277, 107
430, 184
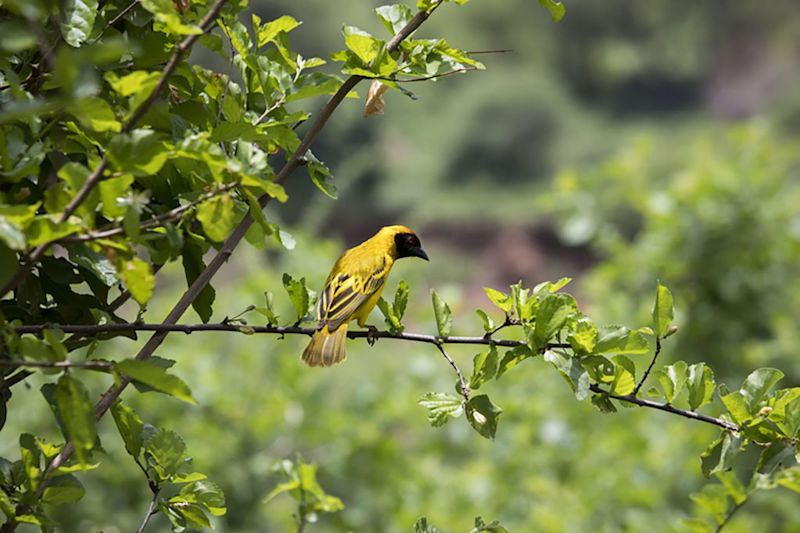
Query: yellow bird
353, 288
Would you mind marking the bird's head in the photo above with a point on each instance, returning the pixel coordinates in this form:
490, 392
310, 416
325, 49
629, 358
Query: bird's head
406, 242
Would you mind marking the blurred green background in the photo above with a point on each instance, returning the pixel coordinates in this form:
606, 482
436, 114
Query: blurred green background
634, 141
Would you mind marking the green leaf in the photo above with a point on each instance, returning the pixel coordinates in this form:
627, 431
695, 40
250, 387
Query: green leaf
267, 33
484, 367
165, 451
719, 455
737, 406
492, 527
31, 458
76, 413
141, 152
500, 299
583, 338
63, 489
701, 385
268, 311
301, 296
792, 418
78, 20
400, 299
735, 489
571, 370
138, 278
444, 317
621, 340
362, 44
712, 500
135, 82
554, 310
218, 217
11, 234
193, 266
95, 114
512, 358
603, 403
130, 427
112, 193
167, 18
394, 17
441, 407
624, 376
391, 320
663, 311
488, 323
672, 379
758, 385
156, 377
422, 526
320, 175
483, 415
556, 9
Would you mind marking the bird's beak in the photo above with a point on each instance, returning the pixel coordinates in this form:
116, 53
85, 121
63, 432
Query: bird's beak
419, 252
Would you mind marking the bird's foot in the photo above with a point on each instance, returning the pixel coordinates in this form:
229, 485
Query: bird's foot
372, 334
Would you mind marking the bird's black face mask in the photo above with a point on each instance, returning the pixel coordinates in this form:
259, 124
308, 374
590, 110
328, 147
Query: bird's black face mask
408, 245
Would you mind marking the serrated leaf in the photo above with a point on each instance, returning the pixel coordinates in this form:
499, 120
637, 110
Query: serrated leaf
484, 367
218, 217
492, 527
394, 17
400, 299
300, 295
583, 338
165, 451
441, 407
155, 376
701, 385
443, 315
624, 376
552, 315
362, 44
130, 427
663, 311
483, 415
76, 413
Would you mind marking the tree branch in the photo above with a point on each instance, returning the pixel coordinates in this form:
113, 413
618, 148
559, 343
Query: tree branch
95, 177
156, 221
649, 367
151, 511
108, 398
694, 415
88, 330
88, 365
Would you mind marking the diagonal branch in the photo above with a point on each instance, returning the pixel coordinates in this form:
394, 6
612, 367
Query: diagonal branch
108, 398
94, 178
641, 402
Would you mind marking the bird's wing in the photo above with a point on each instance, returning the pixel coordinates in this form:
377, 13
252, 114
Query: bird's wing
344, 294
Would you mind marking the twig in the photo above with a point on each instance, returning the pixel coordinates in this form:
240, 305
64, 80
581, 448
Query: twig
431, 77
630, 398
729, 515
156, 221
88, 365
461, 383
95, 177
116, 19
506, 323
649, 368
238, 234
88, 330
151, 511
498, 51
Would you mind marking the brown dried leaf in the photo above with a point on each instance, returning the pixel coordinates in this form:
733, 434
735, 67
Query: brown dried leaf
375, 103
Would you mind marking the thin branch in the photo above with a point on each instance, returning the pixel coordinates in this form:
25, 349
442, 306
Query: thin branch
116, 19
108, 398
431, 77
95, 177
151, 511
694, 415
89, 330
508, 322
462, 384
154, 222
498, 51
88, 365
729, 515
649, 368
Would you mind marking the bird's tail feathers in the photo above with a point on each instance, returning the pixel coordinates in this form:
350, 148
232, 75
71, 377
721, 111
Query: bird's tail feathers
326, 347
